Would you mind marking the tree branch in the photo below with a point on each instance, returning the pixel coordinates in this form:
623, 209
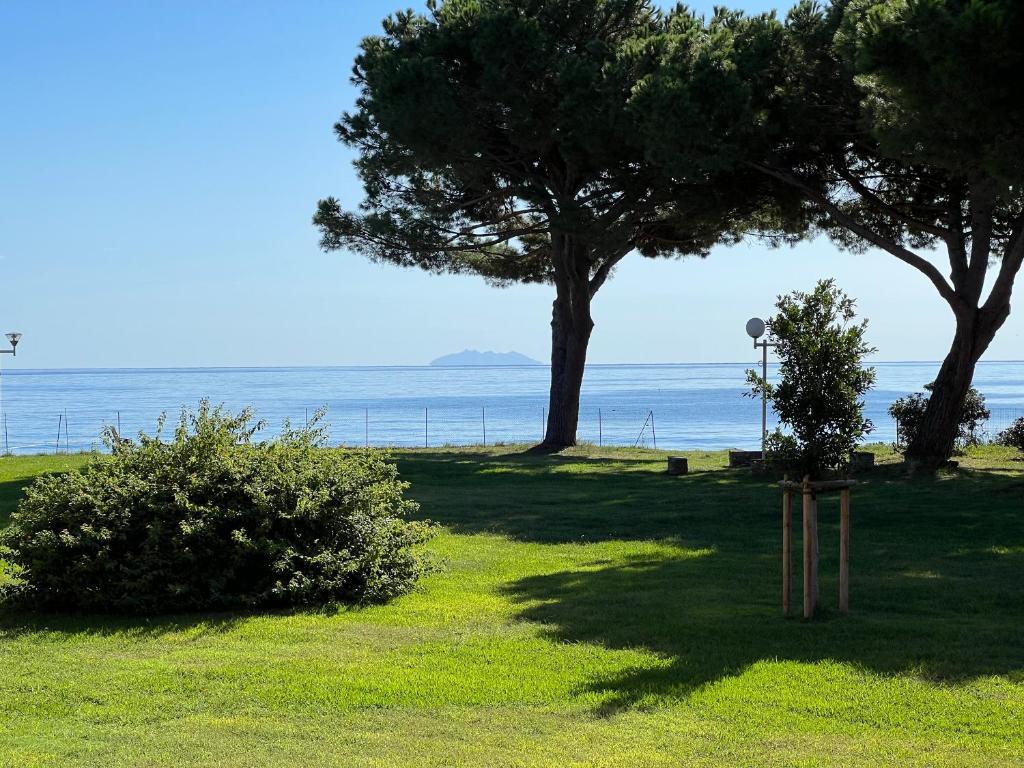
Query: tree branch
982, 204
956, 245
603, 271
922, 265
871, 198
1013, 259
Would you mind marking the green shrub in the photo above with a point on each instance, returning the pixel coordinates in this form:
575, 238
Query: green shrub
1013, 435
212, 520
822, 383
909, 411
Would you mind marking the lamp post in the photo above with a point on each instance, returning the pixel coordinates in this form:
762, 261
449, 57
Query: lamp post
13, 338
755, 330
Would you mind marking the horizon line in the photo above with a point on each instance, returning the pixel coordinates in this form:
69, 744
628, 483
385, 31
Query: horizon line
16, 371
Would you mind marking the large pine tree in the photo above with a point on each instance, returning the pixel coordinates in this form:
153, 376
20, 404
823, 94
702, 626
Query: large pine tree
494, 137
899, 124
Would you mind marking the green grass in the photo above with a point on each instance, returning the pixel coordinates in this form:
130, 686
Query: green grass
592, 611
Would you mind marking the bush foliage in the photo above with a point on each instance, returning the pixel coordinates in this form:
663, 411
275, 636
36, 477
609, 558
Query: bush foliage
822, 379
1013, 435
211, 519
909, 411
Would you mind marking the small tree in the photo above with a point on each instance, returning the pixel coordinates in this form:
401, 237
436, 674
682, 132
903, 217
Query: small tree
909, 414
823, 379
1013, 435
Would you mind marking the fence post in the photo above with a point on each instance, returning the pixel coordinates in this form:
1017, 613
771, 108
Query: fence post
426, 422
654, 435
60, 419
643, 429
600, 429
483, 421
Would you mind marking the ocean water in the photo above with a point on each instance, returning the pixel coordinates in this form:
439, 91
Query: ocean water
673, 406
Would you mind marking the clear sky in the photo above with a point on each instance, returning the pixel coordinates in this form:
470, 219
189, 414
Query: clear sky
159, 165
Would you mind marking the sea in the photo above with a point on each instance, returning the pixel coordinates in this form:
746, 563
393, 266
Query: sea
673, 406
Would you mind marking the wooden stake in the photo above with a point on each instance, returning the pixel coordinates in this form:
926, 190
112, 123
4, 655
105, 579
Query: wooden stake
815, 550
844, 551
787, 549
810, 575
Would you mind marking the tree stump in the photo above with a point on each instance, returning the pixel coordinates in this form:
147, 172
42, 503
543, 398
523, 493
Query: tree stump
678, 465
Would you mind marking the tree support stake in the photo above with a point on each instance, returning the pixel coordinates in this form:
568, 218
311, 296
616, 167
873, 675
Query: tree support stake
809, 491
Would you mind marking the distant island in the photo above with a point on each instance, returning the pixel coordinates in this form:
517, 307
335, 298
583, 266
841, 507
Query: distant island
473, 357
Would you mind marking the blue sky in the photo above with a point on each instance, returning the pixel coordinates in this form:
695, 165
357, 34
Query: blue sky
160, 163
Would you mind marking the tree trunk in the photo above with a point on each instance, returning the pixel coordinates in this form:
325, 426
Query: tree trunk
571, 326
936, 436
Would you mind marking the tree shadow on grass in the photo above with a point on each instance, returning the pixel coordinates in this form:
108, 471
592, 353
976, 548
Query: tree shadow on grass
570, 499
934, 590
14, 624
714, 616
935, 565
17, 623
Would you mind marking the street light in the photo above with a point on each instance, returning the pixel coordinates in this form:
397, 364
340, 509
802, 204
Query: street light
755, 330
14, 338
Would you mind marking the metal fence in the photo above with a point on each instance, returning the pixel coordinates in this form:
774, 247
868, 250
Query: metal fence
1001, 419
988, 431
449, 425
401, 427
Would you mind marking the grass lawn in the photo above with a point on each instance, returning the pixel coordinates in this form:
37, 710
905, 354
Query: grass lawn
592, 611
